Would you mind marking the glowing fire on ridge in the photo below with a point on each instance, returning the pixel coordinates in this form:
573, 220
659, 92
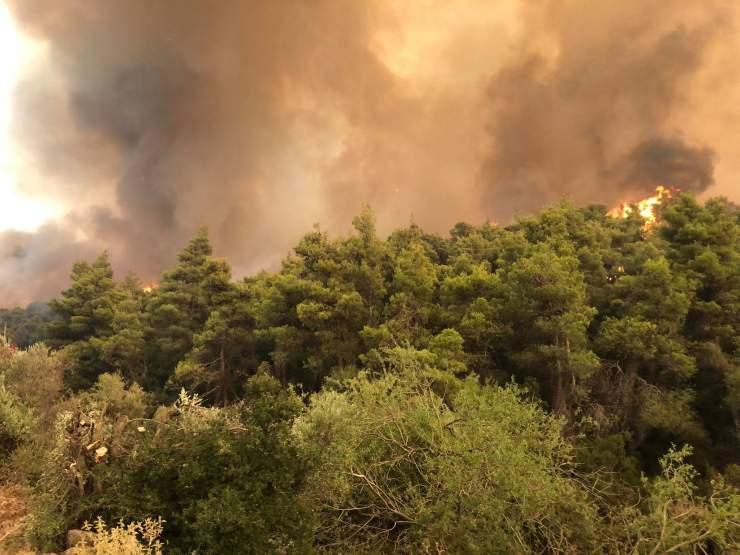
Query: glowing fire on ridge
647, 208
149, 288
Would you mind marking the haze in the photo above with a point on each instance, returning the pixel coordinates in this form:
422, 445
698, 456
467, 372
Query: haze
129, 124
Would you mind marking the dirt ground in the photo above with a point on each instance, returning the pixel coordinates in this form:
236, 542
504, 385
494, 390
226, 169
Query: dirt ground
13, 512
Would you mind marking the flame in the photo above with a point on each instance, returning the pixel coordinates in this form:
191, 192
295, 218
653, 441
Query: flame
647, 208
149, 288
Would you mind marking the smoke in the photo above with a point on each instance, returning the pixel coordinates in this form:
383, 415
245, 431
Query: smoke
590, 106
663, 160
187, 112
259, 118
40, 262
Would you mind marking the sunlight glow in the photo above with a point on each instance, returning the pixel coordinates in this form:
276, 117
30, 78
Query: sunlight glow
16, 211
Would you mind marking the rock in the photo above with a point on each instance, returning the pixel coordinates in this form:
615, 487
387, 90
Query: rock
76, 537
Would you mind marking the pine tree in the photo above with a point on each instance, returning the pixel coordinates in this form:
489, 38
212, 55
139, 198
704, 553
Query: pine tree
125, 349
703, 243
543, 297
84, 317
223, 354
182, 303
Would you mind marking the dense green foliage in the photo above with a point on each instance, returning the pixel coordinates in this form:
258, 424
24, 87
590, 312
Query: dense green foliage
25, 326
224, 480
428, 463
518, 389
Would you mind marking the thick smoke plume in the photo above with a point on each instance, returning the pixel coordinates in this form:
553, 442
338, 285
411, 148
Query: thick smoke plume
261, 117
590, 106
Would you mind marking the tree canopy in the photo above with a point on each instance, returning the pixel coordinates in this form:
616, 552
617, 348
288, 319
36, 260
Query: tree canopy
566, 383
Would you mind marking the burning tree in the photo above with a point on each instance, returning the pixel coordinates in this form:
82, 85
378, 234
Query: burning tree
647, 208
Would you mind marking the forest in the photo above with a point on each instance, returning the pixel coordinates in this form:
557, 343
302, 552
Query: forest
568, 383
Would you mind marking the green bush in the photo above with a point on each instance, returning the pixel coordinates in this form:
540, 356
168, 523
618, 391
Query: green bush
30, 384
17, 421
33, 386
419, 461
91, 432
224, 479
673, 518
36, 376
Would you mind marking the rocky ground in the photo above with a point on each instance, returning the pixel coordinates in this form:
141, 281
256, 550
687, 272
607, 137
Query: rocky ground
13, 512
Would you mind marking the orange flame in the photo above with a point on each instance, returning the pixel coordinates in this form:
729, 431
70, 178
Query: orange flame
647, 208
149, 288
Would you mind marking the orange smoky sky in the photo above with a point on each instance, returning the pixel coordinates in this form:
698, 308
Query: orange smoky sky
258, 118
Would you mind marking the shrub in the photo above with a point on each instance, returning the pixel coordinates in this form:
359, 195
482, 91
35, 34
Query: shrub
92, 430
419, 461
36, 377
674, 519
224, 479
17, 421
32, 382
134, 538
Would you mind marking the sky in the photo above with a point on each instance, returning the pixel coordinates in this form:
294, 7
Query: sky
17, 211
127, 125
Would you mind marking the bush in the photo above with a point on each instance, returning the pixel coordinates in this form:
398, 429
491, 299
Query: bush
674, 519
114, 397
135, 538
36, 376
419, 461
224, 479
17, 421
32, 383
92, 430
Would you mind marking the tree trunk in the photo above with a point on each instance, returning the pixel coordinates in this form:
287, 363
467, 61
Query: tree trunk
226, 385
557, 394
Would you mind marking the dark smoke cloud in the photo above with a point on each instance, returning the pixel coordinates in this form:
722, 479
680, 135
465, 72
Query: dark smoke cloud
261, 117
592, 114
670, 161
199, 112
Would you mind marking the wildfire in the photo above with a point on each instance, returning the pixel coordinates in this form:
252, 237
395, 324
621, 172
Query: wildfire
149, 288
647, 208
